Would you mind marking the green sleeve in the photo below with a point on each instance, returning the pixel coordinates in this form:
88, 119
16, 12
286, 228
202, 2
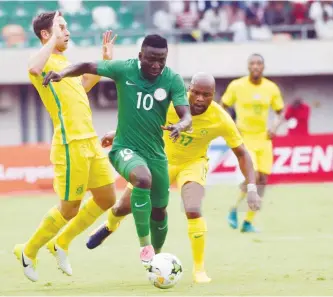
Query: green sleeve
111, 69
178, 91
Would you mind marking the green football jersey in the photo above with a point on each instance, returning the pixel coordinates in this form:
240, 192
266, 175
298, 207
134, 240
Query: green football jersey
142, 105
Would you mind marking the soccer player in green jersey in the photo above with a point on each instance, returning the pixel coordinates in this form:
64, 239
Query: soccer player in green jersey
145, 88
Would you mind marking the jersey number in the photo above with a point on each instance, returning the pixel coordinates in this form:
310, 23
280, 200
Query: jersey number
185, 140
147, 101
126, 154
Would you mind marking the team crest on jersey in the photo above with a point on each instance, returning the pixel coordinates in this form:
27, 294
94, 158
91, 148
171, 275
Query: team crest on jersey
160, 94
257, 96
203, 132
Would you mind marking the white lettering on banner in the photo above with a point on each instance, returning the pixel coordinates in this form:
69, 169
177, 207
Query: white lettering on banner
320, 159
28, 174
303, 159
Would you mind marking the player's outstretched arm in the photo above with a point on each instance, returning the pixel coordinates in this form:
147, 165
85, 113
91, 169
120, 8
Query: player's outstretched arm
70, 71
246, 166
90, 80
38, 61
185, 122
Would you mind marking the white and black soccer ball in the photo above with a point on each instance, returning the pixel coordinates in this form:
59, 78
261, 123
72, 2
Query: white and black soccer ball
165, 271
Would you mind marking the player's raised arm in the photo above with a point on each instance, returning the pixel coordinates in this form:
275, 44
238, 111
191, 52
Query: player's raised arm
38, 61
90, 80
180, 102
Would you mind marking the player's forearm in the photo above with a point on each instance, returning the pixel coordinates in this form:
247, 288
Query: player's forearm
38, 61
185, 117
79, 69
279, 119
185, 122
245, 164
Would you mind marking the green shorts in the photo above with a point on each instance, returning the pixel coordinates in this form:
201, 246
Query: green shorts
125, 160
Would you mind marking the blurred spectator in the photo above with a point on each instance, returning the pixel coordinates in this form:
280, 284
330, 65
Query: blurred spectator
277, 13
236, 21
214, 22
299, 13
321, 12
187, 19
255, 22
298, 114
14, 36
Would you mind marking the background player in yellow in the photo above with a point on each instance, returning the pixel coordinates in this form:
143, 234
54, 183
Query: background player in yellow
78, 158
188, 165
253, 96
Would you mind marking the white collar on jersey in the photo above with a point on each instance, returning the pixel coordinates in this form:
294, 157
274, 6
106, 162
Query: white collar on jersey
139, 66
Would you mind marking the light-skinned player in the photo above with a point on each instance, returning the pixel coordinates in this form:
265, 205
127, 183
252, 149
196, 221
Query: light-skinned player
78, 158
253, 96
188, 166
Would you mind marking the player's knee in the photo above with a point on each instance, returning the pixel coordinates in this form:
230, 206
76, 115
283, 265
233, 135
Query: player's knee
70, 209
140, 177
158, 214
144, 181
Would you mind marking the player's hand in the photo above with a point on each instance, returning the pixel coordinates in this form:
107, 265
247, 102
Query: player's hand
108, 43
51, 77
271, 134
175, 131
56, 26
253, 200
108, 138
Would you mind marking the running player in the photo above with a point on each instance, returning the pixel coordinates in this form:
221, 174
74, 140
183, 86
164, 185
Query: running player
188, 165
78, 158
145, 89
253, 96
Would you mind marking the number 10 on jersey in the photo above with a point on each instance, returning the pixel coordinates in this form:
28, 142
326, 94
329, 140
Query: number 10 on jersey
146, 102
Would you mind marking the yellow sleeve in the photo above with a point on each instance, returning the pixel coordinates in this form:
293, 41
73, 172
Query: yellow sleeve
277, 100
229, 130
229, 96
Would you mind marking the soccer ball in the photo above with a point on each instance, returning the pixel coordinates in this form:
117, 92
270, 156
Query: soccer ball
165, 270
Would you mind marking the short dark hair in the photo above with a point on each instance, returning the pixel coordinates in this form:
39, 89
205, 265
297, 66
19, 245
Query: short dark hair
43, 21
155, 41
257, 55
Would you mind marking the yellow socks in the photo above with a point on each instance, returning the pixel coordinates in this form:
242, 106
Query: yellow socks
48, 228
113, 222
197, 229
87, 215
250, 216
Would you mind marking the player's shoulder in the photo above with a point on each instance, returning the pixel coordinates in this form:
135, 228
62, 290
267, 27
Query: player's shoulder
216, 111
240, 81
269, 83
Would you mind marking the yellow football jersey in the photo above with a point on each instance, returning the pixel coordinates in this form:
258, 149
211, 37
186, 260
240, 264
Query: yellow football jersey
252, 104
194, 144
67, 103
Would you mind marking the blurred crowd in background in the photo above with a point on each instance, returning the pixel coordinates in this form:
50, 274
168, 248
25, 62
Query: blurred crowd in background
180, 21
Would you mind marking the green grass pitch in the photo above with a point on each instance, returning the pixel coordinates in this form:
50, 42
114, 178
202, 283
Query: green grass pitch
293, 255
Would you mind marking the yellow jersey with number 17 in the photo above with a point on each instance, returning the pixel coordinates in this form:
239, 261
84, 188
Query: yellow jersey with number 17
252, 104
67, 103
193, 145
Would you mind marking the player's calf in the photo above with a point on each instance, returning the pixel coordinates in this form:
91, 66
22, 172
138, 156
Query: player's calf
115, 215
